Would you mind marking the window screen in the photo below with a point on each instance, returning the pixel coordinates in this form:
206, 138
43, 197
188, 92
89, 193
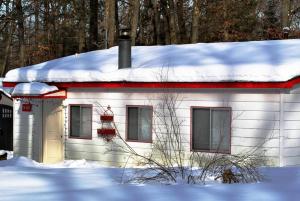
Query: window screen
81, 121
211, 129
139, 124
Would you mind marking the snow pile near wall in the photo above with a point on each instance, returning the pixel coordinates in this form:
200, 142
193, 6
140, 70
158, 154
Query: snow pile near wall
267, 61
10, 154
75, 164
19, 162
24, 180
33, 88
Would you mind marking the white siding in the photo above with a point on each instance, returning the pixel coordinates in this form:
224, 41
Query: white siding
255, 119
28, 130
291, 110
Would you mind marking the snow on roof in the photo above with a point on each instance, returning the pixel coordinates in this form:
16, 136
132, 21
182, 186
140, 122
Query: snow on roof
33, 88
257, 61
4, 90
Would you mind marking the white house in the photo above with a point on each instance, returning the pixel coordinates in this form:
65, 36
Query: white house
251, 87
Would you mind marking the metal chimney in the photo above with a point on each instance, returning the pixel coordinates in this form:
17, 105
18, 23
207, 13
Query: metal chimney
124, 49
285, 32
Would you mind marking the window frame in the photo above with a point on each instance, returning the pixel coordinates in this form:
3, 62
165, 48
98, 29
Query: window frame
70, 122
191, 129
127, 119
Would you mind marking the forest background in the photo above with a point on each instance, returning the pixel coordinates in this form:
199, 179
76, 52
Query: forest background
33, 31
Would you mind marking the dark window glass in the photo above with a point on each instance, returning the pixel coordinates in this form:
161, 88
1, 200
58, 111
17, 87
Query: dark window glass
139, 126
211, 129
81, 121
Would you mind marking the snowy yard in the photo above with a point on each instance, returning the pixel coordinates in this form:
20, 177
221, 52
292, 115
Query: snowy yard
23, 179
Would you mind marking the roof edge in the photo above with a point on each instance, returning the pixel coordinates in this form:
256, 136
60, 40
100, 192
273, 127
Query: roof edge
192, 85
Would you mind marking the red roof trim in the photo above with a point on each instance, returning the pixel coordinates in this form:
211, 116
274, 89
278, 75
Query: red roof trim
210, 85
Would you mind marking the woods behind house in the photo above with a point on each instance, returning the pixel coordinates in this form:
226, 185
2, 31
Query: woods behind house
33, 31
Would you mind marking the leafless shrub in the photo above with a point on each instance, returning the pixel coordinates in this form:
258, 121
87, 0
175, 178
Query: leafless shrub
167, 161
243, 166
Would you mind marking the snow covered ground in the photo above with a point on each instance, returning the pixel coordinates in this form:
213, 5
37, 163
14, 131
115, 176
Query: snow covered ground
22, 179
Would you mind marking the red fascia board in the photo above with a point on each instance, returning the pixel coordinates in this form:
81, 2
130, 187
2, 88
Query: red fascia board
41, 97
193, 85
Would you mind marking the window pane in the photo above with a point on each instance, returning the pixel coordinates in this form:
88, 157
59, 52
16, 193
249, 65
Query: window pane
145, 124
75, 121
201, 129
86, 122
132, 128
220, 140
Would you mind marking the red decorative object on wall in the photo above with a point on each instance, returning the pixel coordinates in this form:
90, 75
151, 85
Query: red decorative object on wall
106, 117
26, 107
107, 130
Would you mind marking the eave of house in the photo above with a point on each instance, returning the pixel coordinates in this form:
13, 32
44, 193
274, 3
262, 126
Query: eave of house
186, 85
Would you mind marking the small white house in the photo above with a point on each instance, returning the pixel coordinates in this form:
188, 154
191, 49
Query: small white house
248, 91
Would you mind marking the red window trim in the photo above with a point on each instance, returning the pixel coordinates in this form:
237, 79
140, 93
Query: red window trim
126, 123
193, 85
85, 105
191, 129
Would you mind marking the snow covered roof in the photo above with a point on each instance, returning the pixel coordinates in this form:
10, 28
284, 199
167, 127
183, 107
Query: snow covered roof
255, 61
4, 90
32, 89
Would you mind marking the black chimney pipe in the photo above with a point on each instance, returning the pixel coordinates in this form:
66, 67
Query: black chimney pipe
124, 49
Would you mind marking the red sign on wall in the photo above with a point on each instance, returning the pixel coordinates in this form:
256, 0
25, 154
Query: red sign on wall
26, 107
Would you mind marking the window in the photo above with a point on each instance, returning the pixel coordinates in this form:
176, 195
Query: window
81, 121
211, 129
139, 123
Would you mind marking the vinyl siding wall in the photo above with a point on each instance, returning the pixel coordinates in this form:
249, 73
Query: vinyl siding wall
291, 135
255, 119
27, 130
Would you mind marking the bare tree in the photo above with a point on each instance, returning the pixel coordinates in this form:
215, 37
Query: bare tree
181, 21
169, 162
93, 30
134, 10
21, 34
110, 20
81, 9
195, 21
285, 12
173, 22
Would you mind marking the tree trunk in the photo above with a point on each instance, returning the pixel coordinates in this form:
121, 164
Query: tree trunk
157, 23
285, 9
117, 28
181, 22
21, 37
134, 11
226, 25
47, 20
195, 21
110, 15
8, 39
93, 40
36, 22
81, 32
173, 22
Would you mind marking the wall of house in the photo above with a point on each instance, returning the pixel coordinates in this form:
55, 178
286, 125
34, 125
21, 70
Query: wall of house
291, 125
27, 130
255, 119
